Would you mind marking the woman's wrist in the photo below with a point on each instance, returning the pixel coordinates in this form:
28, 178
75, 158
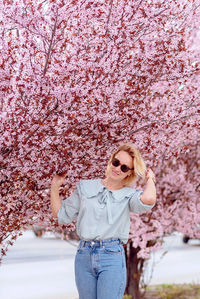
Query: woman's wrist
55, 186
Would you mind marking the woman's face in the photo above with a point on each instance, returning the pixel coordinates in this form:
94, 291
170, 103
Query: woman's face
115, 172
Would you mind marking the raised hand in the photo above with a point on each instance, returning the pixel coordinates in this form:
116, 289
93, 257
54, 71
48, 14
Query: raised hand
58, 180
150, 175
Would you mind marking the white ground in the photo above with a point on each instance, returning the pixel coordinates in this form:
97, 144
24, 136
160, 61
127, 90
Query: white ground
43, 268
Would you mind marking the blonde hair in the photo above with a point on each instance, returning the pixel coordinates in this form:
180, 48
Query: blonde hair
138, 162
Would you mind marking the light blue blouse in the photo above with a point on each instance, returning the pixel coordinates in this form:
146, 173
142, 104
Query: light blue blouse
101, 213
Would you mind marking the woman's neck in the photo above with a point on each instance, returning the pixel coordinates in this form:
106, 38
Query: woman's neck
112, 184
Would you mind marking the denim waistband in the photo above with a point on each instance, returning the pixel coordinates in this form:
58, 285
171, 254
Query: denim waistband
99, 242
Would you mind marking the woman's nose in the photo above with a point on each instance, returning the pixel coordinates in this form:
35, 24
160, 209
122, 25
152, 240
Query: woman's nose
118, 168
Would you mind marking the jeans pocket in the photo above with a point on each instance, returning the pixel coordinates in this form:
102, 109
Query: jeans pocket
112, 249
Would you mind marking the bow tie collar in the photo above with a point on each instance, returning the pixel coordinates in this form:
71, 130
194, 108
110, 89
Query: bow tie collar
105, 200
92, 188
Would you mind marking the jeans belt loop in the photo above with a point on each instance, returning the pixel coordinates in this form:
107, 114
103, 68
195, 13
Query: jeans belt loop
83, 243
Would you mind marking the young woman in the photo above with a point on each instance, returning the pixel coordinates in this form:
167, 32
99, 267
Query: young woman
102, 208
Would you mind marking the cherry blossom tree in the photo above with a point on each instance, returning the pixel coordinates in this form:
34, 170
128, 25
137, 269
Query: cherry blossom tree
79, 77
177, 210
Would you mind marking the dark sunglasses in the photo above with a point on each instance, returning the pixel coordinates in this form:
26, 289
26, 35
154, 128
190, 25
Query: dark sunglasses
124, 168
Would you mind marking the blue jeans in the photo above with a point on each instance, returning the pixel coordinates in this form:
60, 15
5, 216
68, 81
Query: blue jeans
100, 269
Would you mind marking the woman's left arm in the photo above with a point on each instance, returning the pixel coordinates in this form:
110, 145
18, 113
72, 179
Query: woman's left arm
148, 196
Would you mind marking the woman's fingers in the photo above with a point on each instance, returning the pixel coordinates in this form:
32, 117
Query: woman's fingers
150, 174
59, 179
61, 173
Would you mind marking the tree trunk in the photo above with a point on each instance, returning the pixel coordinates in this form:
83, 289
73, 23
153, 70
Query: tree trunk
134, 270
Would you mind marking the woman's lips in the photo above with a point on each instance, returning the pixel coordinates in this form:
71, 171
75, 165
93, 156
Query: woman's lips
115, 173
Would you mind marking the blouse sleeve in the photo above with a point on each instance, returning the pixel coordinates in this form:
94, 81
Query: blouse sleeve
136, 205
69, 208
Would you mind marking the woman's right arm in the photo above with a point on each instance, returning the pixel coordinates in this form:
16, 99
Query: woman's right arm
57, 181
